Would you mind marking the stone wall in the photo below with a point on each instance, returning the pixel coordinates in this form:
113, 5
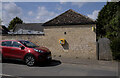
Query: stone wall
80, 41
104, 49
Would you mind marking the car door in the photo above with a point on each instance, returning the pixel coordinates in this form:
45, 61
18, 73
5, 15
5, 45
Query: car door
17, 52
6, 48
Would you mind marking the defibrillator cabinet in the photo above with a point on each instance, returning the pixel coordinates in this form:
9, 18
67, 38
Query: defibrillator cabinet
62, 41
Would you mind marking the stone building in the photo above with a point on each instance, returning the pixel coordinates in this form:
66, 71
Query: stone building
76, 29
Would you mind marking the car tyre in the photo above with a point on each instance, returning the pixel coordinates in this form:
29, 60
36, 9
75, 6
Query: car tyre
30, 60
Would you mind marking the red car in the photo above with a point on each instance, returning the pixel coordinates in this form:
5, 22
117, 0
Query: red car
24, 50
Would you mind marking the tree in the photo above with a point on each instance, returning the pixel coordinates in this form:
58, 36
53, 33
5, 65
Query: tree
108, 25
108, 21
13, 22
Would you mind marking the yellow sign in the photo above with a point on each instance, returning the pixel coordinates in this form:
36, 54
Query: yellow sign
62, 41
92, 28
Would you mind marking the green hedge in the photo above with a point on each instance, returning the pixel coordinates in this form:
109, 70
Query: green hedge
115, 46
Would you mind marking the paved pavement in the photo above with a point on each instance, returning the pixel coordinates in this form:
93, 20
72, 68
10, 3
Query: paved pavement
87, 61
61, 68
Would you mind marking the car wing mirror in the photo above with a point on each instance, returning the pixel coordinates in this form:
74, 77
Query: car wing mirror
22, 47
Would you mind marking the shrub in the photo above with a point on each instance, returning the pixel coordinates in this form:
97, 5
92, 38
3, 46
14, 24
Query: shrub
115, 47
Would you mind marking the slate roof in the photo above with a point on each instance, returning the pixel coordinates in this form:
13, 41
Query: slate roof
29, 26
3, 29
69, 17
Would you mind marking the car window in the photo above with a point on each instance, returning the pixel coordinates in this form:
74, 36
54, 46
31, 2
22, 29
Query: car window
6, 43
16, 44
29, 44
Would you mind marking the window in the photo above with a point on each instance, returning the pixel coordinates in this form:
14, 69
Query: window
29, 31
65, 33
7, 43
29, 44
16, 44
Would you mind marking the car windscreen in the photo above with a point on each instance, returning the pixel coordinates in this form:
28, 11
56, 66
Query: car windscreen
29, 44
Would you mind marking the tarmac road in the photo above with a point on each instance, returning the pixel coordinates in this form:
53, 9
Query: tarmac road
56, 68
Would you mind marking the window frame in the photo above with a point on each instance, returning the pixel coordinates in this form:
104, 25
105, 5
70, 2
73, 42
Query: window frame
11, 45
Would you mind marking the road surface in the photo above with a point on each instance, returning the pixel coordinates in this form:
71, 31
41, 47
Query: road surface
56, 68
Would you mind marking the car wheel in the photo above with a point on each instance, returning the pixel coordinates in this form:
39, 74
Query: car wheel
30, 60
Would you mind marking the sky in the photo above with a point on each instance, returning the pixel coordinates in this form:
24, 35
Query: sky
40, 12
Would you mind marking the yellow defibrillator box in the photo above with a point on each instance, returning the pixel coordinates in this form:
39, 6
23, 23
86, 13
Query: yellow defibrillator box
62, 41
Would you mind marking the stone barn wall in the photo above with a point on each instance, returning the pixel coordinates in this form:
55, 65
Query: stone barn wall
80, 41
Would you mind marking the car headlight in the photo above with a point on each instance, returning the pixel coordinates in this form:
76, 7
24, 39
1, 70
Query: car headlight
40, 51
